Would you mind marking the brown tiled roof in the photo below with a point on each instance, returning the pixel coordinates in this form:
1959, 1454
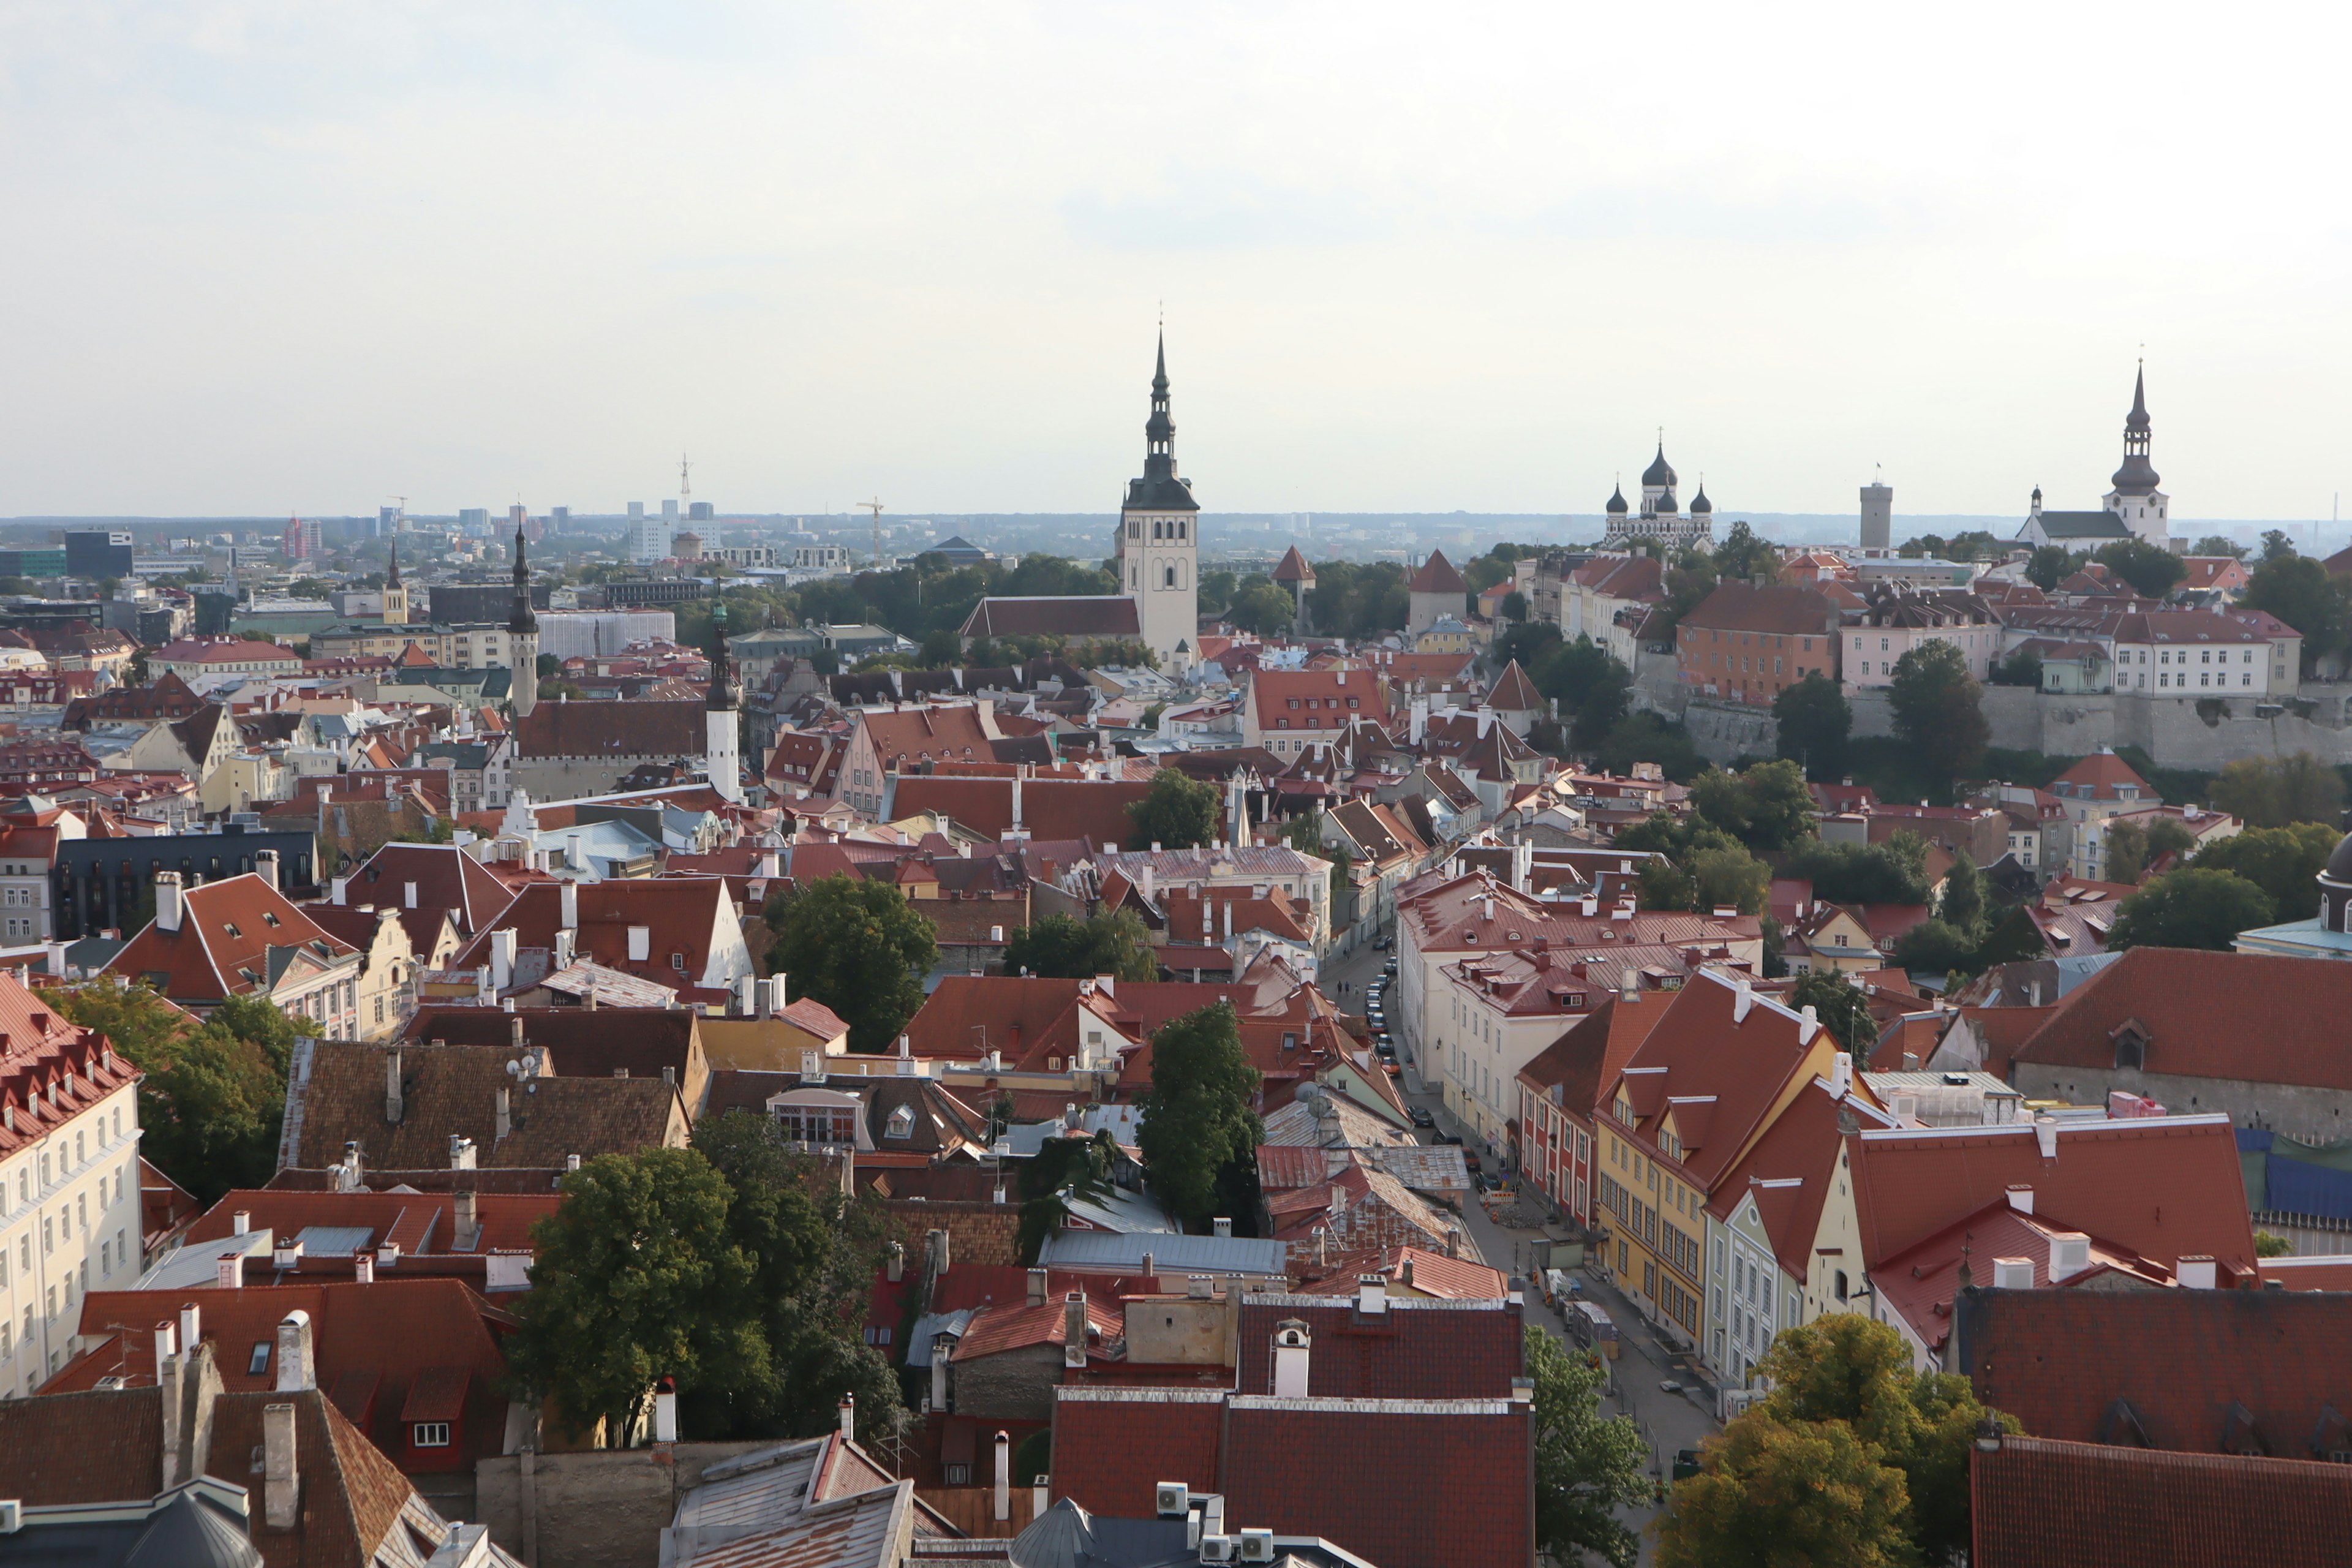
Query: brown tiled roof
612, 730
2096, 777
1513, 692
84, 1448
1009, 1328
447, 877
51, 1069
1027, 1019
581, 1042
2184, 1359
2192, 1008
1433, 1273
1437, 576
1093, 616
2042, 1503
1292, 568
1738, 608
421, 1223
684, 913
352, 1496
1093, 809
1592, 1052
453, 1090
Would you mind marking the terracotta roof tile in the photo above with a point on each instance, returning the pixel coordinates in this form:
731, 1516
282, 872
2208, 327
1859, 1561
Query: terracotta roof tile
2043, 1503
2192, 1007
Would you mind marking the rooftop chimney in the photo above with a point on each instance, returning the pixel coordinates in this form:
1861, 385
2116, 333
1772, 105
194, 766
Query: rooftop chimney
392, 1101
265, 865
1222, 1226
468, 1217
568, 898
502, 957
341, 886
191, 1326
1371, 1295
1840, 1074
1003, 1496
1074, 1329
849, 1418
243, 1220
167, 1342
230, 1271
1292, 1344
2196, 1272
665, 1411
167, 1382
168, 905
362, 1269
2021, 1197
282, 1488
2046, 1134
505, 1115
294, 1369
1037, 1286
2012, 1273
461, 1152
897, 1261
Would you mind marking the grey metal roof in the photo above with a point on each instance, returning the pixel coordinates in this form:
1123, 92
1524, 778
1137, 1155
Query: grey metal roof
1170, 1253
930, 1326
333, 1240
2083, 525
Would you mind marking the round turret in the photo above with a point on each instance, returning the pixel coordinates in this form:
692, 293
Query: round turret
2335, 887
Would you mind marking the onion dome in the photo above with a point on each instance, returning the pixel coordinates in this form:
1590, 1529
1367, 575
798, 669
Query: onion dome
1617, 507
1660, 471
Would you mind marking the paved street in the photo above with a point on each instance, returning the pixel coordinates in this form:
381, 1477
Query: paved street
1669, 1421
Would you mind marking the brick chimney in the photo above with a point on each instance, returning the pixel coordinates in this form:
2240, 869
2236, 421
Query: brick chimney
296, 1369
1074, 1329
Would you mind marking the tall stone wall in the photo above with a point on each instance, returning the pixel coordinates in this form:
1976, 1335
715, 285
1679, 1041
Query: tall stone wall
603, 1509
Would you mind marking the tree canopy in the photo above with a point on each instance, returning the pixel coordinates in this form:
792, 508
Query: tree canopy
1894, 872
1766, 806
1814, 722
1179, 812
860, 947
2273, 792
2298, 591
1938, 711
1843, 1008
1586, 1467
2192, 906
2284, 862
2150, 569
1853, 1458
1197, 1116
1066, 948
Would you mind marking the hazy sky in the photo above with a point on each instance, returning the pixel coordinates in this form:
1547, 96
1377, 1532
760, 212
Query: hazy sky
271, 254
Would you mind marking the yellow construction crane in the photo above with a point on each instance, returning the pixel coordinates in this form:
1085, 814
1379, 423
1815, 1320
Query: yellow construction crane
876, 508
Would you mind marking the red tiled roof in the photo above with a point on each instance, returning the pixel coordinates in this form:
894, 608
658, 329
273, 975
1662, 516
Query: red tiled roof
686, 914
1015, 1327
1093, 809
2166, 1187
2097, 776
1738, 608
1513, 692
1432, 1273
1412, 1351
1271, 692
2192, 1007
1437, 576
447, 877
2059, 1360
2040, 1503
618, 729
222, 948
1094, 617
1292, 568
420, 1222
1025, 1019
1113, 1446
1697, 1049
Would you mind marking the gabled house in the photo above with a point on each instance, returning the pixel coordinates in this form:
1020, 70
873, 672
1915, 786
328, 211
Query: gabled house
685, 932
242, 937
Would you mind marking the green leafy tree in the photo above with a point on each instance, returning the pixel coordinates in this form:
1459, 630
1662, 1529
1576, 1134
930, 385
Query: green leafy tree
2267, 1244
1894, 872
1766, 806
814, 1256
1814, 722
940, 648
1935, 947
2219, 544
2150, 569
1936, 708
1066, 948
2191, 908
1742, 556
2274, 791
2276, 545
1587, 1465
636, 1278
859, 947
1729, 877
1647, 737
1179, 813
2023, 667
2050, 566
259, 1022
1262, 606
1844, 1010
2284, 862
1963, 908
1514, 605
2298, 591
1198, 1115
1775, 1494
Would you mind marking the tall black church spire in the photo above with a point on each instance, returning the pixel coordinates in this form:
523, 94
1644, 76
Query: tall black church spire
522, 621
1160, 488
722, 696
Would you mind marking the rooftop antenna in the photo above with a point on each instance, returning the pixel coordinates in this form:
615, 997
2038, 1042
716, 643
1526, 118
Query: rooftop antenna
876, 508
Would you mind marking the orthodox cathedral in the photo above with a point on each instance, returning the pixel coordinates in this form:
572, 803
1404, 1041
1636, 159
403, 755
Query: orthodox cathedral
1661, 517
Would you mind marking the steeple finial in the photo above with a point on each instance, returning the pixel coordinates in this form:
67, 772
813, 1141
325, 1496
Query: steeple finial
523, 619
392, 569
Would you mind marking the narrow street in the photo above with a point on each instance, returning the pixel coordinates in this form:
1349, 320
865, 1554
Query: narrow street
1669, 1421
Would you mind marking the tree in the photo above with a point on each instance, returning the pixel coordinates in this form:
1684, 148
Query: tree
2219, 544
2150, 569
2274, 791
1963, 908
1586, 1467
1196, 1116
1262, 606
1894, 872
2127, 860
2023, 667
2192, 906
1853, 1459
858, 946
940, 648
816, 1256
1066, 948
2298, 591
2276, 545
1937, 713
2267, 1244
2284, 862
1729, 877
1766, 806
2050, 566
1843, 1008
1742, 556
636, 1279
1514, 605
1935, 947
1815, 722
1647, 737
258, 1021
1179, 813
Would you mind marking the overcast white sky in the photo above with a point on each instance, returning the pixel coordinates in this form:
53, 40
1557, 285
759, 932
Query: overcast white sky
271, 255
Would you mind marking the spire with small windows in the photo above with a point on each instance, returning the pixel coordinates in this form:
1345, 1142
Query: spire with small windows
2137, 477
722, 695
522, 621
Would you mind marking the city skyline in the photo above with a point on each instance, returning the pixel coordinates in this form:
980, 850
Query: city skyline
301, 262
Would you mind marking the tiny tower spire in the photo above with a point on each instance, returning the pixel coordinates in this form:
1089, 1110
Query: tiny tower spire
523, 633
722, 741
395, 597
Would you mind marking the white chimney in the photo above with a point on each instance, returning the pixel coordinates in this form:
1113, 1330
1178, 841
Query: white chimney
2070, 1254
461, 1152
641, 944
265, 865
362, 1269
1038, 1278
2196, 1272
2045, 1132
849, 1418
1003, 1498
229, 1273
1222, 1226
567, 896
505, 1116
168, 905
1841, 1074
2012, 1273
191, 1326
1371, 1295
1074, 1329
243, 1220
341, 886
502, 957
408, 895
295, 1370
1292, 1343
282, 1485
666, 1411
2021, 1197
1743, 998
167, 1342
897, 1265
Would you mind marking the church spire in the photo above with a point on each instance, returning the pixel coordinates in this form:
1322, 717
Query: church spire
2137, 477
722, 696
1160, 430
522, 621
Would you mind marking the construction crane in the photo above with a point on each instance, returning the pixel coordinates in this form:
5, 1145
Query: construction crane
876, 508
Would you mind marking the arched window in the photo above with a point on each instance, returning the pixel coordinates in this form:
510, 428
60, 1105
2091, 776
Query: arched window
1169, 572
1156, 529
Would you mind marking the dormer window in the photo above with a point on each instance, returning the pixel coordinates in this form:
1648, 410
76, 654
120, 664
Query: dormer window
902, 1122
230, 927
2131, 1049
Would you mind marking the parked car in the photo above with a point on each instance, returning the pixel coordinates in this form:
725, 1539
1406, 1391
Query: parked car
1454, 1138
1391, 1068
1422, 1118
1384, 944
1385, 1051
1470, 1161
1390, 969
